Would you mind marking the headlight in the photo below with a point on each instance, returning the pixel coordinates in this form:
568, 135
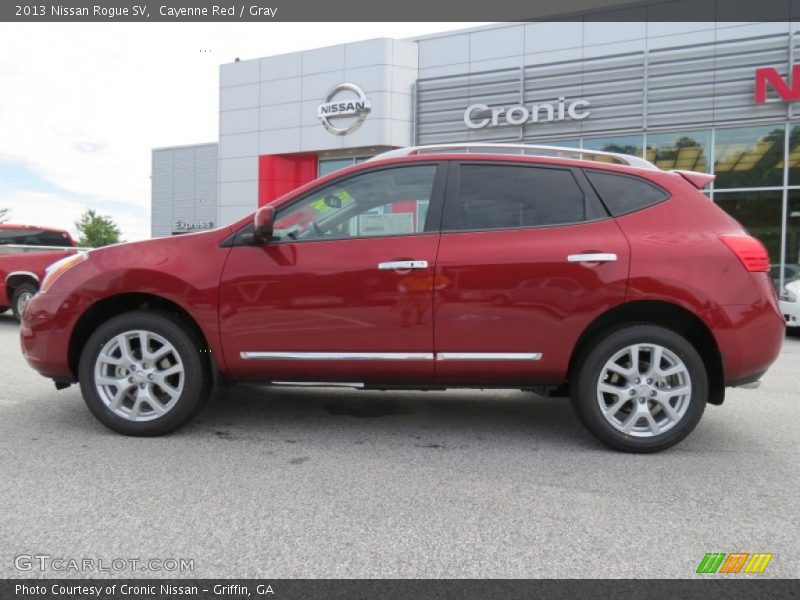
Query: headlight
788, 296
60, 267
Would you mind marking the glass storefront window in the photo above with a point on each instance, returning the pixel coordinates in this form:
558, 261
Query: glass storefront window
749, 157
624, 144
791, 270
794, 155
684, 150
758, 212
329, 166
560, 143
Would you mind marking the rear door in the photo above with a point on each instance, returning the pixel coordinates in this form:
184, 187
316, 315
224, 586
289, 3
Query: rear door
527, 259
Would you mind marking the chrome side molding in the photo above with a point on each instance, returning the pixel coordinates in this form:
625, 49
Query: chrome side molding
489, 356
277, 355
448, 356
338, 384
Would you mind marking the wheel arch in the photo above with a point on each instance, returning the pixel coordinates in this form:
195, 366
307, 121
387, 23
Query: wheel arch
17, 278
670, 316
111, 306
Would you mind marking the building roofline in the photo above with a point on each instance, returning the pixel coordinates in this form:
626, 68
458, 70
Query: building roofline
180, 146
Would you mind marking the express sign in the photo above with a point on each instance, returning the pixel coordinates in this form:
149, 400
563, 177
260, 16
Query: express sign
788, 93
478, 116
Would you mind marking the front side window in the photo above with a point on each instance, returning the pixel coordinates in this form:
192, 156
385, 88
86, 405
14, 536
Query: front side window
380, 203
506, 196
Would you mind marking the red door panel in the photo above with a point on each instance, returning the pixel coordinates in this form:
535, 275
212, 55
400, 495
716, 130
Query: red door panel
330, 297
515, 291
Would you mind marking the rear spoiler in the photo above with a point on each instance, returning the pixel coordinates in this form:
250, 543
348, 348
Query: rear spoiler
698, 180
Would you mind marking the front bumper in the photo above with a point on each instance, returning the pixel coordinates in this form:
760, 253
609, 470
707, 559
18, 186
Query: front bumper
44, 334
791, 313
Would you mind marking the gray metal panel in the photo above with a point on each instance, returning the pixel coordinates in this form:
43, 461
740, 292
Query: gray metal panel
669, 87
161, 193
184, 187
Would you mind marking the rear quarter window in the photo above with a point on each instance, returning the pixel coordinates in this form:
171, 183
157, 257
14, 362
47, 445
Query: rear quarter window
623, 194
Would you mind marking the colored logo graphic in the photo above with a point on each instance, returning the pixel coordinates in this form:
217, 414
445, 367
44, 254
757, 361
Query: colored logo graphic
735, 562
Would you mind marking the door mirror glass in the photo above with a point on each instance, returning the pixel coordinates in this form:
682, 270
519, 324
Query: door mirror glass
263, 223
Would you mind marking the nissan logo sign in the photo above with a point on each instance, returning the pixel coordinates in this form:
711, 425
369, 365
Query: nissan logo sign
351, 107
479, 116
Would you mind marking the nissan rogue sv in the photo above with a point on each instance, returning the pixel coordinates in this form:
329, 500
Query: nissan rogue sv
620, 285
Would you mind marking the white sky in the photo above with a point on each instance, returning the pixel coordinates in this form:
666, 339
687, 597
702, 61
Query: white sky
82, 105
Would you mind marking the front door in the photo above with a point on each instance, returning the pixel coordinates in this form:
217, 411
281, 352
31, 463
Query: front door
344, 292
528, 258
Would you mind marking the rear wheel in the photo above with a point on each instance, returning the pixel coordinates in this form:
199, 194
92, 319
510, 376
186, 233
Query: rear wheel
19, 299
141, 373
643, 388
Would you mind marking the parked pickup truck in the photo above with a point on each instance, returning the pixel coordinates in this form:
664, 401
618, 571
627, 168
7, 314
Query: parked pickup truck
25, 252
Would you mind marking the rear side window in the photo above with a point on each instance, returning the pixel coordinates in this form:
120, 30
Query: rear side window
34, 237
624, 194
507, 196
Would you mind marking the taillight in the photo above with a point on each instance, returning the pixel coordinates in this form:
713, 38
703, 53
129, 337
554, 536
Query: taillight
748, 250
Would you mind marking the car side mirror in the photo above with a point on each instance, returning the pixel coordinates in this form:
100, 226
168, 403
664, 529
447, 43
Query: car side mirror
263, 224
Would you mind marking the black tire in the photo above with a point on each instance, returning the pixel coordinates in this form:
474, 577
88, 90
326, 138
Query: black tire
197, 381
590, 365
21, 295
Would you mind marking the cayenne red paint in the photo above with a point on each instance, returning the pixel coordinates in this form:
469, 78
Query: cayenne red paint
488, 291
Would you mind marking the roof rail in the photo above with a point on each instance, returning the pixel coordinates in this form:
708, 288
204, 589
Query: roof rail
534, 150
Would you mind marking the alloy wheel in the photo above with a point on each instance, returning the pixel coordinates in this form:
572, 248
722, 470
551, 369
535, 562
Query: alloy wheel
139, 375
644, 390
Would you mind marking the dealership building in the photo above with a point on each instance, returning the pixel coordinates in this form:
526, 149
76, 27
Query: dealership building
709, 97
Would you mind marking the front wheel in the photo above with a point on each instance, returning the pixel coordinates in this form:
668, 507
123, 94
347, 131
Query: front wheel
643, 388
142, 373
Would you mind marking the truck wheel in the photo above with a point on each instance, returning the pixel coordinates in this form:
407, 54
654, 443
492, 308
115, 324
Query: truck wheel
19, 299
643, 388
141, 373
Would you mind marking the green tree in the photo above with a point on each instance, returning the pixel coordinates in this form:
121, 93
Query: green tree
96, 230
3, 215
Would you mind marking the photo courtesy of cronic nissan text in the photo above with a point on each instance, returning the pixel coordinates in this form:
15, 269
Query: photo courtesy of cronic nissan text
358, 300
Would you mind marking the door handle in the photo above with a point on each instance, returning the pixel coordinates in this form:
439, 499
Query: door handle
592, 257
402, 265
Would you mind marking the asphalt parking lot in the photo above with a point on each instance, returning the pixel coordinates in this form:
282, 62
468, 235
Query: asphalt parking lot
341, 483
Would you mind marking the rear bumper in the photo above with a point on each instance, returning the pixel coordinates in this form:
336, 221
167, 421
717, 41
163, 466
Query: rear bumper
45, 332
749, 338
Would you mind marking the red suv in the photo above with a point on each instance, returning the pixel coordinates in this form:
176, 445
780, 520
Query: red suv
431, 268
